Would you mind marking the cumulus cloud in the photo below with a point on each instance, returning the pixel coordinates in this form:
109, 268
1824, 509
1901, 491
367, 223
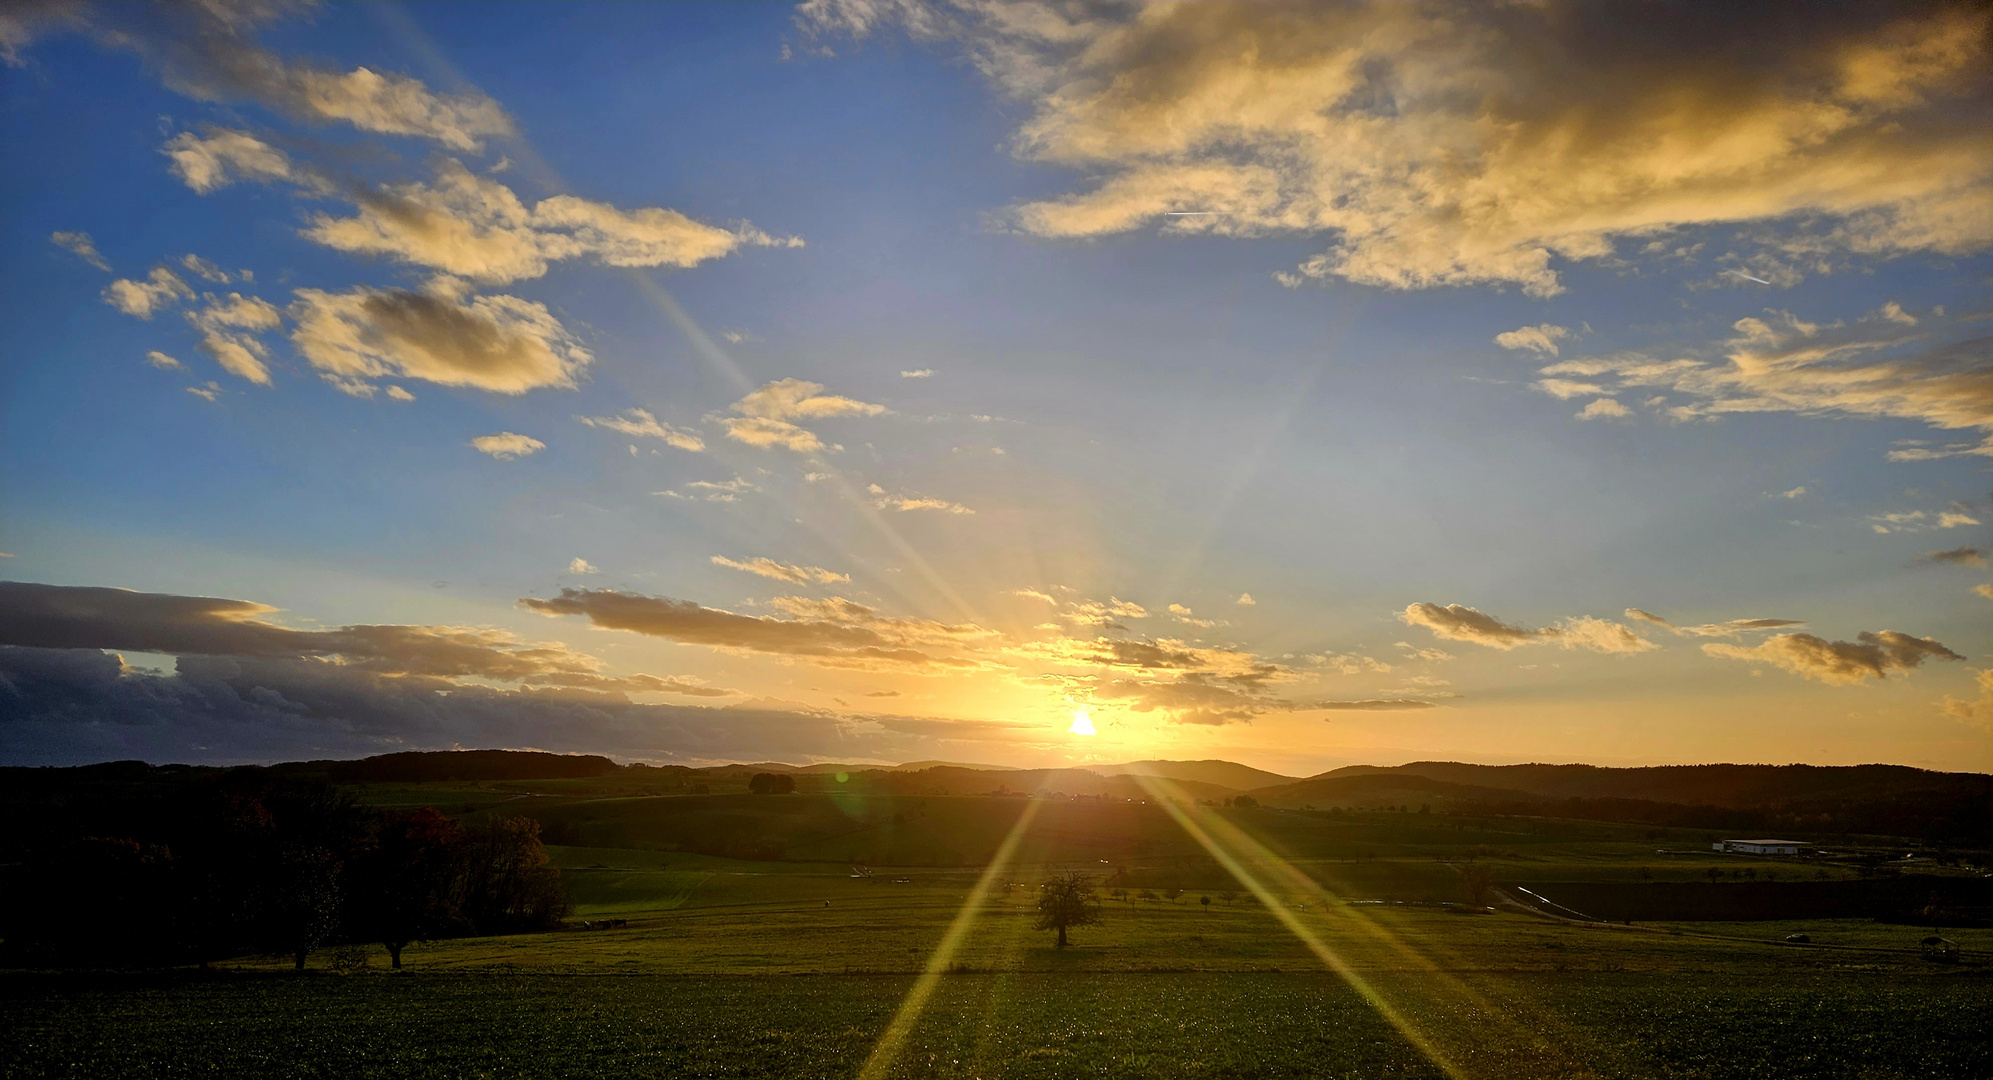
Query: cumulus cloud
641, 424
580, 565
211, 161
1542, 338
1793, 493
502, 344
1872, 655
1460, 143
162, 361
796, 399
1189, 617
834, 632
922, 373
1872, 367
160, 290
474, 227
1245, 600
507, 445
80, 245
1456, 622
789, 572
1604, 408
765, 416
767, 434
229, 327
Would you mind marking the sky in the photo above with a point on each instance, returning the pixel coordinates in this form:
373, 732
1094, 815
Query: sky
1027, 384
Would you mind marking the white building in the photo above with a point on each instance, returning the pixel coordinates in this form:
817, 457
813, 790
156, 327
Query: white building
1760, 847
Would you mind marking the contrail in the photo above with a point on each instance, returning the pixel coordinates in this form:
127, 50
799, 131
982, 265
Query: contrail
1748, 277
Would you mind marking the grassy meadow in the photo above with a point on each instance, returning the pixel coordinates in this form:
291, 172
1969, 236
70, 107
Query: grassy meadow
1354, 955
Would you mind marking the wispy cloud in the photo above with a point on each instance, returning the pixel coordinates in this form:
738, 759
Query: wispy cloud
641, 424
1456, 622
790, 572
80, 245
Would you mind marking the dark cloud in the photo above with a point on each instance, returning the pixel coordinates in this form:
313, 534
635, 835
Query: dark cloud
72, 706
1958, 556
91, 617
1872, 655
836, 632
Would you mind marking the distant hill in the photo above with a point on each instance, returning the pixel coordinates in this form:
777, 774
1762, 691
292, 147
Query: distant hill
1227, 774
1731, 786
917, 766
418, 766
1812, 799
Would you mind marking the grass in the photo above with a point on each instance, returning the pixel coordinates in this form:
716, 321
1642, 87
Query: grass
1022, 1025
733, 967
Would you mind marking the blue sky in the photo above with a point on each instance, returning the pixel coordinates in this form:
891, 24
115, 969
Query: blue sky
1301, 399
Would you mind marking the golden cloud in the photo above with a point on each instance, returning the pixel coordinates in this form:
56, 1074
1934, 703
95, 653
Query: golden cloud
1461, 143
1877, 367
498, 343
1872, 655
639, 423
1457, 622
789, 572
835, 632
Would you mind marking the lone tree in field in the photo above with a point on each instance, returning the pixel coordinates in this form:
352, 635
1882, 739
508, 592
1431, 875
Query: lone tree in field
1067, 901
1477, 882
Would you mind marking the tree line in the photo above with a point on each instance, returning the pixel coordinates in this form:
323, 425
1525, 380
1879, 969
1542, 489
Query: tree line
247, 863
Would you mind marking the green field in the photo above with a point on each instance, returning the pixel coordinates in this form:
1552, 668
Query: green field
1353, 960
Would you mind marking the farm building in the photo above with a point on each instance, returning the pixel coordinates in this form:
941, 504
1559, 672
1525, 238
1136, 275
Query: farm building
1760, 847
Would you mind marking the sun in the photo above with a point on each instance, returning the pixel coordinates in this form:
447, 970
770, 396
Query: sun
1082, 723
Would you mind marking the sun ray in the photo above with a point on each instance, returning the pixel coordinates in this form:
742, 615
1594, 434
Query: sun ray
1252, 864
887, 1049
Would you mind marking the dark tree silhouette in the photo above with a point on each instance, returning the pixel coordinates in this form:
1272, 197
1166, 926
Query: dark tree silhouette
1477, 882
768, 783
405, 884
504, 883
1067, 901
304, 899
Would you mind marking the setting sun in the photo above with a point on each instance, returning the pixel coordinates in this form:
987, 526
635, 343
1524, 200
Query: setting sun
1082, 722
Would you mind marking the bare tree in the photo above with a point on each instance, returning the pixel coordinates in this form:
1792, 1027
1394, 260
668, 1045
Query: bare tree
1478, 882
1067, 901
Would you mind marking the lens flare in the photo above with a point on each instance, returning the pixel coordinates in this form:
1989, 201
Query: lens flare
1082, 722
